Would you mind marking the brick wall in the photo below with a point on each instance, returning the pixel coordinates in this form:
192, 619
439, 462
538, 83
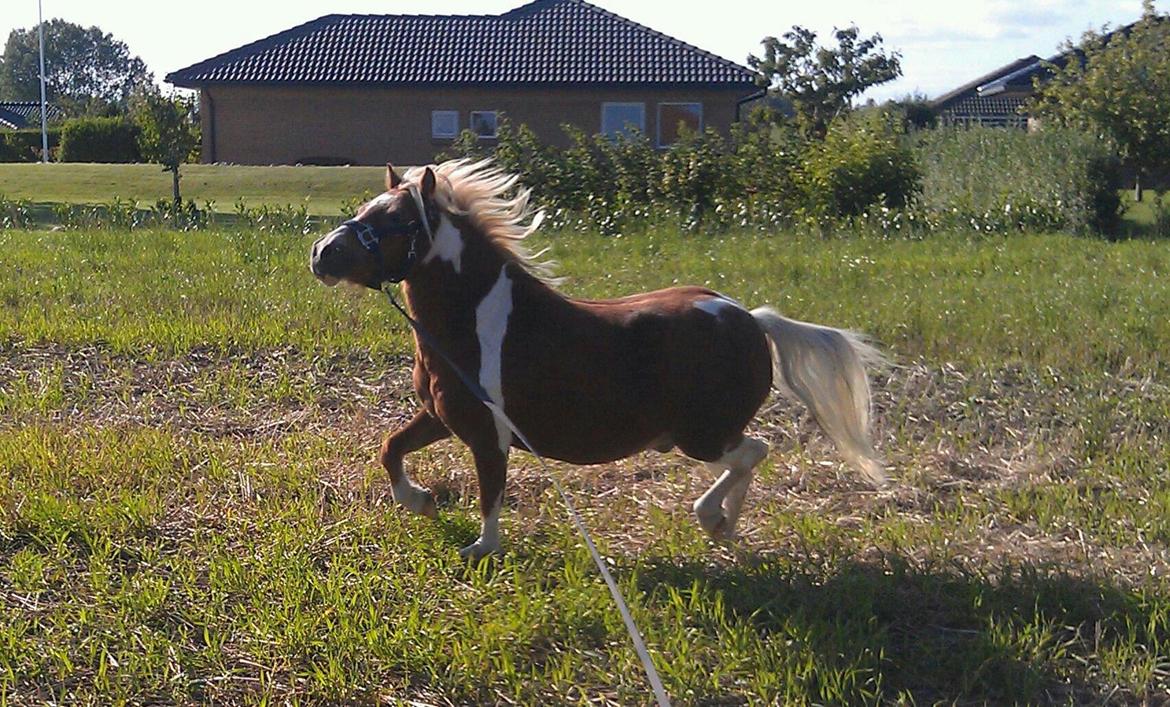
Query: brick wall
285, 125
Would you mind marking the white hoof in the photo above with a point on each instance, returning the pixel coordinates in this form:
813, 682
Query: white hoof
480, 549
415, 499
714, 522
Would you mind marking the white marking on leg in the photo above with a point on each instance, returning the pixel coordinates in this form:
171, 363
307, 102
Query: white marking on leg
491, 325
489, 535
411, 496
718, 509
447, 246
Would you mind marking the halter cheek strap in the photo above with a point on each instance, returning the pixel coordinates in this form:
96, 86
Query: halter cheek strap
371, 239
422, 209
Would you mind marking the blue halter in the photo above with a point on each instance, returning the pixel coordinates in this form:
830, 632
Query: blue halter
371, 239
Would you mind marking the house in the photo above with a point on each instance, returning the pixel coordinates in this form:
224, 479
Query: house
995, 99
363, 89
15, 115
999, 99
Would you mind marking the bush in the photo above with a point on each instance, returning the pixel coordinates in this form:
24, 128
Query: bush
862, 162
99, 140
612, 184
25, 145
996, 180
866, 175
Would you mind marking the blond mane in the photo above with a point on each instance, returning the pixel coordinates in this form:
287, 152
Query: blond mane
487, 196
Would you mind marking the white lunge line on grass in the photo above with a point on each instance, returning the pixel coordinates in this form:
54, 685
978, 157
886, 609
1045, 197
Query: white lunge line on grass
632, 628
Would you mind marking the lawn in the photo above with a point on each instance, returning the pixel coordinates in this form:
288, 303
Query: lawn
190, 509
321, 189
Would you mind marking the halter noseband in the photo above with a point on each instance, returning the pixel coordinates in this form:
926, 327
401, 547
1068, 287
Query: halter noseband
371, 239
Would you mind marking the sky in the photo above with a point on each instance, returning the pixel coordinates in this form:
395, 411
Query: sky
943, 44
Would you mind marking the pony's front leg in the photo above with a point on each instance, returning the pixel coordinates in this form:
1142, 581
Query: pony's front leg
491, 467
424, 429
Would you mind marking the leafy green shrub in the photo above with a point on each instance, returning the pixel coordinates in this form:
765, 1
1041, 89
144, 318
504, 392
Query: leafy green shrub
615, 183
15, 213
862, 162
866, 175
24, 145
99, 140
998, 180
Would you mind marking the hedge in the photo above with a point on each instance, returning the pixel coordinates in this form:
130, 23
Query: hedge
24, 145
99, 140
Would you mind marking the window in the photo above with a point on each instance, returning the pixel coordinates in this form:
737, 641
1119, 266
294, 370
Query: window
622, 118
484, 123
444, 124
671, 116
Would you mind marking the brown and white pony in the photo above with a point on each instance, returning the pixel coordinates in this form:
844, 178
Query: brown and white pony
586, 381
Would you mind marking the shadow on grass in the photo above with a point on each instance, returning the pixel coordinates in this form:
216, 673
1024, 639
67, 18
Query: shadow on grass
941, 635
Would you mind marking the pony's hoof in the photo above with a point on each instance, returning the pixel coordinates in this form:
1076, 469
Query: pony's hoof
417, 500
427, 507
717, 526
479, 550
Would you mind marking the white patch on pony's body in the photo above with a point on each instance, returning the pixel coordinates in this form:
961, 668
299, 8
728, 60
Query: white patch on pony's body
447, 245
488, 542
715, 305
491, 325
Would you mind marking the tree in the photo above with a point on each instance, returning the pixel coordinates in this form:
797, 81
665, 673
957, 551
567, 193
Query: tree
822, 82
86, 70
1117, 85
169, 132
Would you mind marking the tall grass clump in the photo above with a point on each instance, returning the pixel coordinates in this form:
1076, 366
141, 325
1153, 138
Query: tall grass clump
1001, 180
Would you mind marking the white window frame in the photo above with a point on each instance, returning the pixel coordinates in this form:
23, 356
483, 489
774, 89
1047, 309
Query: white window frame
440, 114
623, 104
662, 145
494, 113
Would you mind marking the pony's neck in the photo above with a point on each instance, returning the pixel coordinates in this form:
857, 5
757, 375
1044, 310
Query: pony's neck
459, 269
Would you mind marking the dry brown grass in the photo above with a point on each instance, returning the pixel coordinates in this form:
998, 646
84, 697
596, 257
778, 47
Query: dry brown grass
955, 440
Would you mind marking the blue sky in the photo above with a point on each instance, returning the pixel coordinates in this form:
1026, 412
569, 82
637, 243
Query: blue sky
943, 44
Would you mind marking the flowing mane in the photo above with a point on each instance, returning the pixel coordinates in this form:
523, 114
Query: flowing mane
487, 196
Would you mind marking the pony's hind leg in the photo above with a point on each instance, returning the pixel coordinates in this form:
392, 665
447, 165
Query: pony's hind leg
718, 509
422, 430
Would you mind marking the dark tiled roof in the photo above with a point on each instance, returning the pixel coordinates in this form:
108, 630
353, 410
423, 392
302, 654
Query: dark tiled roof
946, 100
23, 114
987, 106
544, 42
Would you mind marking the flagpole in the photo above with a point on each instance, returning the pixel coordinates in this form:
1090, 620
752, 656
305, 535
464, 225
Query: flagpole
44, 121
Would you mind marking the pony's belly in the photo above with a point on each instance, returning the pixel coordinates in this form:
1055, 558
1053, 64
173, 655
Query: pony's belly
597, 440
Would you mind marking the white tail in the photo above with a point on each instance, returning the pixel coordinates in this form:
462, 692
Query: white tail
825, 369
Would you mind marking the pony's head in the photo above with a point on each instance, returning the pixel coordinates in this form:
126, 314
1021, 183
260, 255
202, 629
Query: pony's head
384, 240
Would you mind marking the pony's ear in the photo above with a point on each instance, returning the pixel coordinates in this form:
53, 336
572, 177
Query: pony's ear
428, 183
392, 179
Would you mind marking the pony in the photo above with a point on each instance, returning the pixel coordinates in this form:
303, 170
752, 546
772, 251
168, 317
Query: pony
585, 381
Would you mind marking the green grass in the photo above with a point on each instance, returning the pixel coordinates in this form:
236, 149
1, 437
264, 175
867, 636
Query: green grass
322, 189
190, 510
1045, 300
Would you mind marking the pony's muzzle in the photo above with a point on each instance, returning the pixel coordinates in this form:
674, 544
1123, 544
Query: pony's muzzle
324, 259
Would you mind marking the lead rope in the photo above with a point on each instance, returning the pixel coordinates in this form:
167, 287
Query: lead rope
478, 391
